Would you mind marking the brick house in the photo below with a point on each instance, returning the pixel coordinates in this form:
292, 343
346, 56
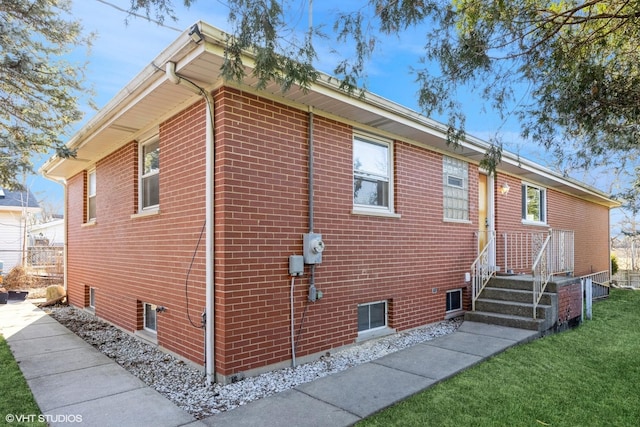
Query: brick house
190, 194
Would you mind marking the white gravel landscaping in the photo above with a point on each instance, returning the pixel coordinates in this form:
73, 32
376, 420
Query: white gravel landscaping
185, 385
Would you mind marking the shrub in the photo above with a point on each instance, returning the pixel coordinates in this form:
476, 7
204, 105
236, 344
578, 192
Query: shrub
614, 264
18, 278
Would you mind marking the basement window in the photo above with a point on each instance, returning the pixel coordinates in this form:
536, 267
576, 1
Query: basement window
372, 316
92, 298
454, 300
150, 317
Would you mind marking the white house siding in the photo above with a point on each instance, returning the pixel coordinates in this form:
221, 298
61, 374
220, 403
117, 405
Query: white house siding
11, 238
53, 231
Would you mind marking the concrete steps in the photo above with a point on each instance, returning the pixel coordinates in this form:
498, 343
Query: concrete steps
508, 301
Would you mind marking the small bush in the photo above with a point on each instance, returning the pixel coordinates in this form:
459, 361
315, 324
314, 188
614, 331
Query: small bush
18, 278
614, 264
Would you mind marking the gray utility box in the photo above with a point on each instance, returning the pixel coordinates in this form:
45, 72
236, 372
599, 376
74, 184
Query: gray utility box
296, 265
312, 248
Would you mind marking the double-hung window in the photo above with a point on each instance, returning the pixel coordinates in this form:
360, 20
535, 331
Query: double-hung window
372, 175
534, 204
150, 175
455, 189
91, 195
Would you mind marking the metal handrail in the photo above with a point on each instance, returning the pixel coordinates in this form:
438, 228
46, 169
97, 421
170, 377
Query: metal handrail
541, 274
556, 255
601, 277
482, 271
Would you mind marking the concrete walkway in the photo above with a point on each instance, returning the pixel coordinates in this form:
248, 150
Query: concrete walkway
71, 379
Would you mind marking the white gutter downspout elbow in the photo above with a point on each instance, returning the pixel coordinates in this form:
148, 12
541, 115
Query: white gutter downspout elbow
170, 71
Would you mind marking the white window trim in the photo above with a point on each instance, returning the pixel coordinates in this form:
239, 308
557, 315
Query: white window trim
543, 193
146, 213
141, 176
89, 195
376, 210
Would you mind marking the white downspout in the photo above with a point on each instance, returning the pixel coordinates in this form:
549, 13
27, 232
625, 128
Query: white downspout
63, 182
170, 72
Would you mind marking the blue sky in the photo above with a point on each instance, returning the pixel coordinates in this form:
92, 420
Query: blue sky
121, 50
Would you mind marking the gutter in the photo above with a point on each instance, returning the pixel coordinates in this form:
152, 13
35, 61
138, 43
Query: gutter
170, 71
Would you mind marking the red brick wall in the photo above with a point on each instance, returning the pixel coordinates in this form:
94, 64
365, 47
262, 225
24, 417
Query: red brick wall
145, 259
261, 199
260, 217
261, 214
569, 302
589, 221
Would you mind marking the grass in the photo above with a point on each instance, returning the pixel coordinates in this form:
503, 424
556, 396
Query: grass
15, 396
588, 376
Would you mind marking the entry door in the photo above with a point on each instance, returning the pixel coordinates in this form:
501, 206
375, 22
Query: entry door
486, 212
483, 212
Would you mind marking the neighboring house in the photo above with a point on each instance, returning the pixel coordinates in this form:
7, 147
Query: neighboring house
50, 233
15, 209
184, 205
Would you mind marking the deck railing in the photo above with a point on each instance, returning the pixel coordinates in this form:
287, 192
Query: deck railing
482, 268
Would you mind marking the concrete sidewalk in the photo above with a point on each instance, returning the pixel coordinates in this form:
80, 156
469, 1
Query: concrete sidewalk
70, 379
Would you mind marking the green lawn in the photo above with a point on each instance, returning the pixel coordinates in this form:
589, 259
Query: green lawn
589, 376
16, 400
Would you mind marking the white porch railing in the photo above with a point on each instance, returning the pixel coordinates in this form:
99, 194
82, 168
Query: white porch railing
540, 272
561, 256
543, 254
519, 250
600, 283
556, 256
482, 268
601, 277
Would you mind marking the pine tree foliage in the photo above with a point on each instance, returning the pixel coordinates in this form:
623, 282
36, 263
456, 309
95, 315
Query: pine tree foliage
39, 88
575, 60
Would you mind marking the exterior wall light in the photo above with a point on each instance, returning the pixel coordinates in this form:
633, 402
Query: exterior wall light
504, 189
